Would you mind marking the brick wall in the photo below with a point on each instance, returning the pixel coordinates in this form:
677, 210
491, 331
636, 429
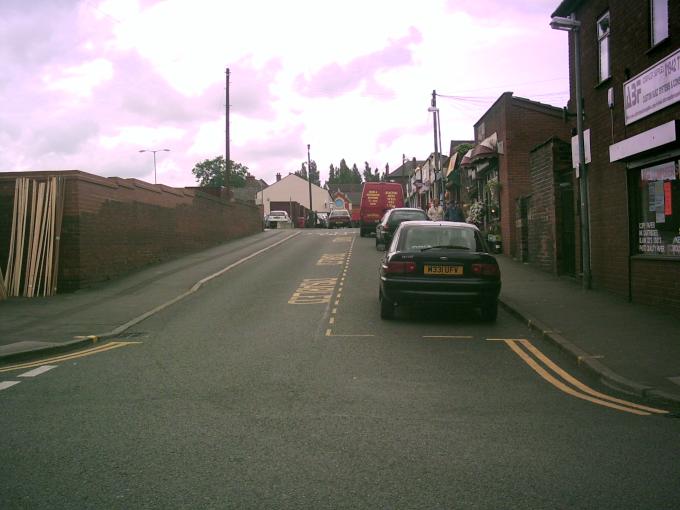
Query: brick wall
542, 228
656, 282
521, 125
550, 165
113, 226
610, 213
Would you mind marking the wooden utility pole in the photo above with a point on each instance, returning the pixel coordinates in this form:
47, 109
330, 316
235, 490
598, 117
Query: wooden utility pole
227, 154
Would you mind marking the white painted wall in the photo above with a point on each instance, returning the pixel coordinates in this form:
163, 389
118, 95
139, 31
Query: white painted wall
295, 189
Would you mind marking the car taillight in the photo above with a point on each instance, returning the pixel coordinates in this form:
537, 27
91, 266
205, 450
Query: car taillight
485, 270
399, 267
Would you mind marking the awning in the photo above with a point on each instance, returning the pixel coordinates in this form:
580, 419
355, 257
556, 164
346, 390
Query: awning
487, 148
452, 164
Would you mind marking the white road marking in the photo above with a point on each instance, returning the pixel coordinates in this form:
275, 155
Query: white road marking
38, 371
7, 384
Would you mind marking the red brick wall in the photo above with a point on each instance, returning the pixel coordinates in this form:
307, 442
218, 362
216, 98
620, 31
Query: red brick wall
630, 54
542, 231
521, 125
113, 226
656, 282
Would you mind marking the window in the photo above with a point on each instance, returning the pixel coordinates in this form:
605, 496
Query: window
659, 210
603, 46
659, 18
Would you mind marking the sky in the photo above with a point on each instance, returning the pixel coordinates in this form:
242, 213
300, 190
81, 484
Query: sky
87, 84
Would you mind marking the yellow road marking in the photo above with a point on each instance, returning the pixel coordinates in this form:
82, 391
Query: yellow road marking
578, 384
67, 357
563, 387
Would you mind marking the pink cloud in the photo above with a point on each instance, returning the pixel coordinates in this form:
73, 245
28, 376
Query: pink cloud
335, 79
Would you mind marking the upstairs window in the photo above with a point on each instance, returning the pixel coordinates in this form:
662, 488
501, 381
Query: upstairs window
603, 46
659, 19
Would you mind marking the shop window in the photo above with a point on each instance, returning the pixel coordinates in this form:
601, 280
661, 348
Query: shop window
603, 46
659, 20
659, 210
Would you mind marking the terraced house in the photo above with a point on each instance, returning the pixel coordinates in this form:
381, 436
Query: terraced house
630, 78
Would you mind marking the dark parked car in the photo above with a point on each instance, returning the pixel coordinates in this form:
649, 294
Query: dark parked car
441, 262
392, 219
339, 218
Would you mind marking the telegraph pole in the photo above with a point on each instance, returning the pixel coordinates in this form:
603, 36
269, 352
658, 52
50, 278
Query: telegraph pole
227, 155
309, 181
436, 130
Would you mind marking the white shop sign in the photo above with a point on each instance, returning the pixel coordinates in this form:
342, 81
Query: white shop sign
652, 90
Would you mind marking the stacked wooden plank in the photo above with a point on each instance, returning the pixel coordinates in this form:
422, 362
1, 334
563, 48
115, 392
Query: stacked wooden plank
33, 255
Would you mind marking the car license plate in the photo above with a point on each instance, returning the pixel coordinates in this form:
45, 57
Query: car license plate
444, 270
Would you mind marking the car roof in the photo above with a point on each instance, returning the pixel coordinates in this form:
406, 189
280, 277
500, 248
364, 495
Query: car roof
407, 209
416, 223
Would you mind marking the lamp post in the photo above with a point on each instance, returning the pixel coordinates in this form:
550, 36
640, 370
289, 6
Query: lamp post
309, 182
573, 26
154, 159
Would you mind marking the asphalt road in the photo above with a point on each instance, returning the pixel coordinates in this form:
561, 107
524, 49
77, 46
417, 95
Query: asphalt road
276, 385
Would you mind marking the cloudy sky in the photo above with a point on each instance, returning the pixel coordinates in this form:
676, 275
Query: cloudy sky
86, 84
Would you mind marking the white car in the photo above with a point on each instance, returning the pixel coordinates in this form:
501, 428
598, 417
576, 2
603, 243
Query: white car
278, 219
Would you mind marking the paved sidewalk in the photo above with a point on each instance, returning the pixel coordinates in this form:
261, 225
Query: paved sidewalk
631, 347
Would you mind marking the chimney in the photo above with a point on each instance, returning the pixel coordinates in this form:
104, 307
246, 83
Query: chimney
278, 177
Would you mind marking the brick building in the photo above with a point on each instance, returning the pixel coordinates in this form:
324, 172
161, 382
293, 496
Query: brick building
630, 74
498, 166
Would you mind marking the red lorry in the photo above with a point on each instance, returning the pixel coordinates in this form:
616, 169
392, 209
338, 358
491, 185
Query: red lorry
376, 198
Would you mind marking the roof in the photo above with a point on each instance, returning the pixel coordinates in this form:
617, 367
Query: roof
522, 101
406, 168
566, 7
428, 223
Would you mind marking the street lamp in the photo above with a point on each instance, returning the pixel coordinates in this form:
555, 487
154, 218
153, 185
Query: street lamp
573, 26
154, 159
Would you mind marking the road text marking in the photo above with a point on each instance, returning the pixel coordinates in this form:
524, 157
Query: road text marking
313, 291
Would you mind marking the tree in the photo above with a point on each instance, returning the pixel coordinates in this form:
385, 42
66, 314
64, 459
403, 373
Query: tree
369, 176
356, 176
332, 180
314, 172
211, 172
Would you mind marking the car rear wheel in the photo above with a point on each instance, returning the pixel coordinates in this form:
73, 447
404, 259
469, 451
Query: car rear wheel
386, 307
490, 312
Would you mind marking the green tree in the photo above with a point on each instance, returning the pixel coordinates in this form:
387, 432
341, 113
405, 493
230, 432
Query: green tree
356, 176
314, 172
211, 172
369, 175
344, 174
332, 179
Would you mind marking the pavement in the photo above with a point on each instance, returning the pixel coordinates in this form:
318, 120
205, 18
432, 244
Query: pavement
630, 347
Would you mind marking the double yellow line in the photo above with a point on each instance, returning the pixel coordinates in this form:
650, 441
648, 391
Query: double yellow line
532, 356
66, 357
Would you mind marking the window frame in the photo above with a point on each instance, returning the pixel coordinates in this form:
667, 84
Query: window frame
643, 229
652, 25
603, 40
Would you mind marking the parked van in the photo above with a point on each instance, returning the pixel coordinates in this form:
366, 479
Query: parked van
376, 198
